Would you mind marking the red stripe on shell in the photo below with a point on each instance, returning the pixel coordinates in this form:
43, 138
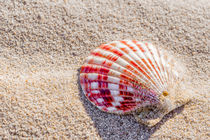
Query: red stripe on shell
154, 67
111, 49
89, 69
139, 46
109, 57
131, 47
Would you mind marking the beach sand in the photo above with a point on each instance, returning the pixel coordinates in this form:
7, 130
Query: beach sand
44, 43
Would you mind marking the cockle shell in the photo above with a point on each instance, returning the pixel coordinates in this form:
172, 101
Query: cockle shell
133, 77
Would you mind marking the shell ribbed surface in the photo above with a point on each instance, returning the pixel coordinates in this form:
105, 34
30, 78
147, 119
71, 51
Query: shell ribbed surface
121, 76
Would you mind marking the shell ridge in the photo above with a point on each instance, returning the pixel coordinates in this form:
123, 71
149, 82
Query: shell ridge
106, 83
102, 61
150, 62
145, 54
92, 84
113, 90
122, 103
132, 54
96, 68
105, 54
143, 59
153, 52
158, 80
109, 78
116, 106
126, 57
163, 63
136, 58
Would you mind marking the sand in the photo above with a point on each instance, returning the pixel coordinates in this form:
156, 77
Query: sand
44, 43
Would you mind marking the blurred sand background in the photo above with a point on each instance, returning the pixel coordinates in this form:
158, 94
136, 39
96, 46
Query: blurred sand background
44, 43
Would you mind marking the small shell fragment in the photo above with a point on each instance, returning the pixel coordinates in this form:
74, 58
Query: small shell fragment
129, 76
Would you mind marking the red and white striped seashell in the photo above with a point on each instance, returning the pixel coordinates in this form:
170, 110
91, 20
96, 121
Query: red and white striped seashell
133, 77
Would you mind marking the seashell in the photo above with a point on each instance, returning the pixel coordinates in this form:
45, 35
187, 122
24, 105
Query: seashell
129, 76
